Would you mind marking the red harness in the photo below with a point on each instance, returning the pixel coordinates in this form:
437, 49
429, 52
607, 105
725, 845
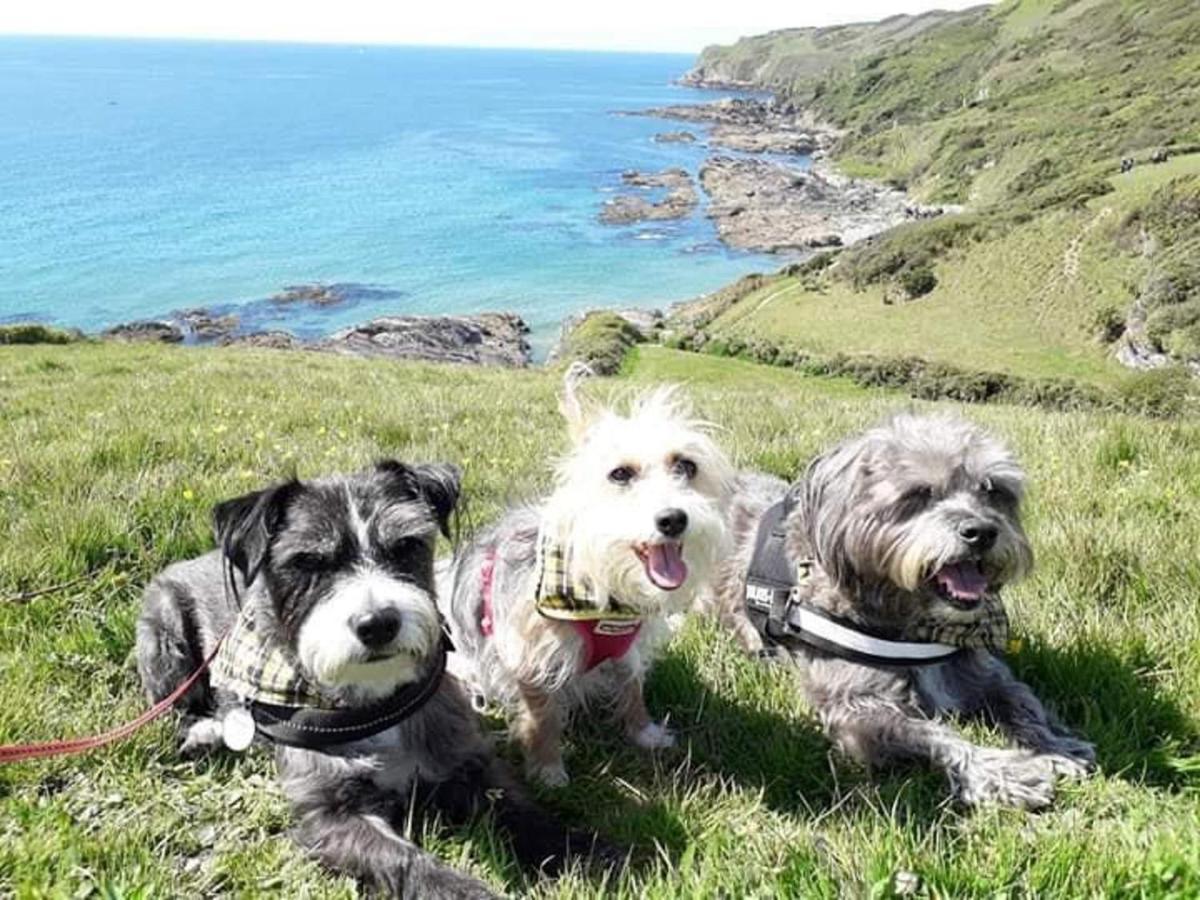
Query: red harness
602, 638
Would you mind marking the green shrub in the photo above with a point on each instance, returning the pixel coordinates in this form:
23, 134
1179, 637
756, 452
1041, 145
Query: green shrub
1108, 324
910, 246
602, 340
1161, 393
1164, 322
1173, 211
1073, 191
812, 266
1158, 392
918, 281
34, 333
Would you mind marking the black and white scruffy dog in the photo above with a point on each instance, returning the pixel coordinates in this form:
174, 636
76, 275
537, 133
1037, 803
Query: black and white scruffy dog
890, 554
565, 603
334, 578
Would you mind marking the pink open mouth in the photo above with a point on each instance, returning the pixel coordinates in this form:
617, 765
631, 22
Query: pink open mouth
962, 582
663, 563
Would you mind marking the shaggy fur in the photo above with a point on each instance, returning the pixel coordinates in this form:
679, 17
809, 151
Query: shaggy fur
340, 570
618, 490
886, 515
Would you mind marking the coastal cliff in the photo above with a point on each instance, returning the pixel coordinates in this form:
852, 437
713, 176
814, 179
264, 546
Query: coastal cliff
1067, 132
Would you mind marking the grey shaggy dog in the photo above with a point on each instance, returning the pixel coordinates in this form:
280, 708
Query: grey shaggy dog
339, 571
916, 518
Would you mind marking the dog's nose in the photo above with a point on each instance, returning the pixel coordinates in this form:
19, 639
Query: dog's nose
979, 535
671, 522
375, 629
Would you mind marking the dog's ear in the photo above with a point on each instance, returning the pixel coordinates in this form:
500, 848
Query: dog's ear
577, 410
822, 499
244, 526
438, 484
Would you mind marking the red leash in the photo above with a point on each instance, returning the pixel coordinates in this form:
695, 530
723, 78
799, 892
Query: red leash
20, 752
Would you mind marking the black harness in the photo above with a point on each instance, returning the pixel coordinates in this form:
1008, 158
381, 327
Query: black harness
774, 602
316, 729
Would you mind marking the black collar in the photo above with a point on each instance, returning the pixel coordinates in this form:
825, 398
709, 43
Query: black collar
316, 729
775, 607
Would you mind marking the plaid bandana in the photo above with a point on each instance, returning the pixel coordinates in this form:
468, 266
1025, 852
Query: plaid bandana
258, 671
558, 597
988, 630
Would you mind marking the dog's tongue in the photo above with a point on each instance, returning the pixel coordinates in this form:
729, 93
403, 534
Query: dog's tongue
665, 566
962, 580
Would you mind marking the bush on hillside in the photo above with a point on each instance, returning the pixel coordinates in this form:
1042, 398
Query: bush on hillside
1175, 329
909, 246
917, 281
1108, 324
1074, 191
1159, 392
1173, 211
34, 333
602, 340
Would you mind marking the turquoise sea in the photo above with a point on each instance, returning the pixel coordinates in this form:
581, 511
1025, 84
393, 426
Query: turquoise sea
142, 177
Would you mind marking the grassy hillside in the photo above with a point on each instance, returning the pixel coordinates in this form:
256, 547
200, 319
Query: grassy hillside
986, 104
1038, 299
784, 58
110, 457
1022, 112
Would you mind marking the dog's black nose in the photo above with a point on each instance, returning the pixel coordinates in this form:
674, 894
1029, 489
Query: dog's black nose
671, 522
978, 534
375, 629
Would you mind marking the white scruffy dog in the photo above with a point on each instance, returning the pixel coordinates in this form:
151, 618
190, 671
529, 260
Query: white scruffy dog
566, 600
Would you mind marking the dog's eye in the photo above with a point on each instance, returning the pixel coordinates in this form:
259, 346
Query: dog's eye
311, 563
997, 493
684, 467
916, 497
407, 548
622, 475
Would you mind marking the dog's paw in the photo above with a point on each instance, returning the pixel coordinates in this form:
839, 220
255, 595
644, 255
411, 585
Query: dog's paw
1081, 753
548, 774
201, 737
1007, 778
654, 736
1070, 767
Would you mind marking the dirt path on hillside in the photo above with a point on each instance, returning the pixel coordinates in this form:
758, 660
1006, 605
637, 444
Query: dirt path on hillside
1068, 270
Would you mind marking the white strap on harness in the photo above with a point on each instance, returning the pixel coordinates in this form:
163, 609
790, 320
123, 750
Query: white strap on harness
808, 621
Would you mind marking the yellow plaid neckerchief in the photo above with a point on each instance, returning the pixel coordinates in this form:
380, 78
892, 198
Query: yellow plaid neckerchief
989, 630
258, 671
559, 597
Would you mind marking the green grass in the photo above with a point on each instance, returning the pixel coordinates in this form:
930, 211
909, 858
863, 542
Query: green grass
984, 105
34, 333
1020, 299
1023, 112
110, 457
601, 340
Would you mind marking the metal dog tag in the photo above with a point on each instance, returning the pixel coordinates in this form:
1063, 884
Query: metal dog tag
237, 729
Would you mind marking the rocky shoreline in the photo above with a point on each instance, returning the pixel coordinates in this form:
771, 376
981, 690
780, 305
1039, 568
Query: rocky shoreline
754, 126
678, 201
755, 199
756, 202
493, 339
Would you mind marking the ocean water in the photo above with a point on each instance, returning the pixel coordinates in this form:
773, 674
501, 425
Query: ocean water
142, 177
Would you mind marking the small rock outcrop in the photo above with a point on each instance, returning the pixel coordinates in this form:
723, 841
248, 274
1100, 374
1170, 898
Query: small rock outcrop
163, 332
679, 200
317, 294
270, 340
202, 325
758, 205
754, 126
675, 137
485, 339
